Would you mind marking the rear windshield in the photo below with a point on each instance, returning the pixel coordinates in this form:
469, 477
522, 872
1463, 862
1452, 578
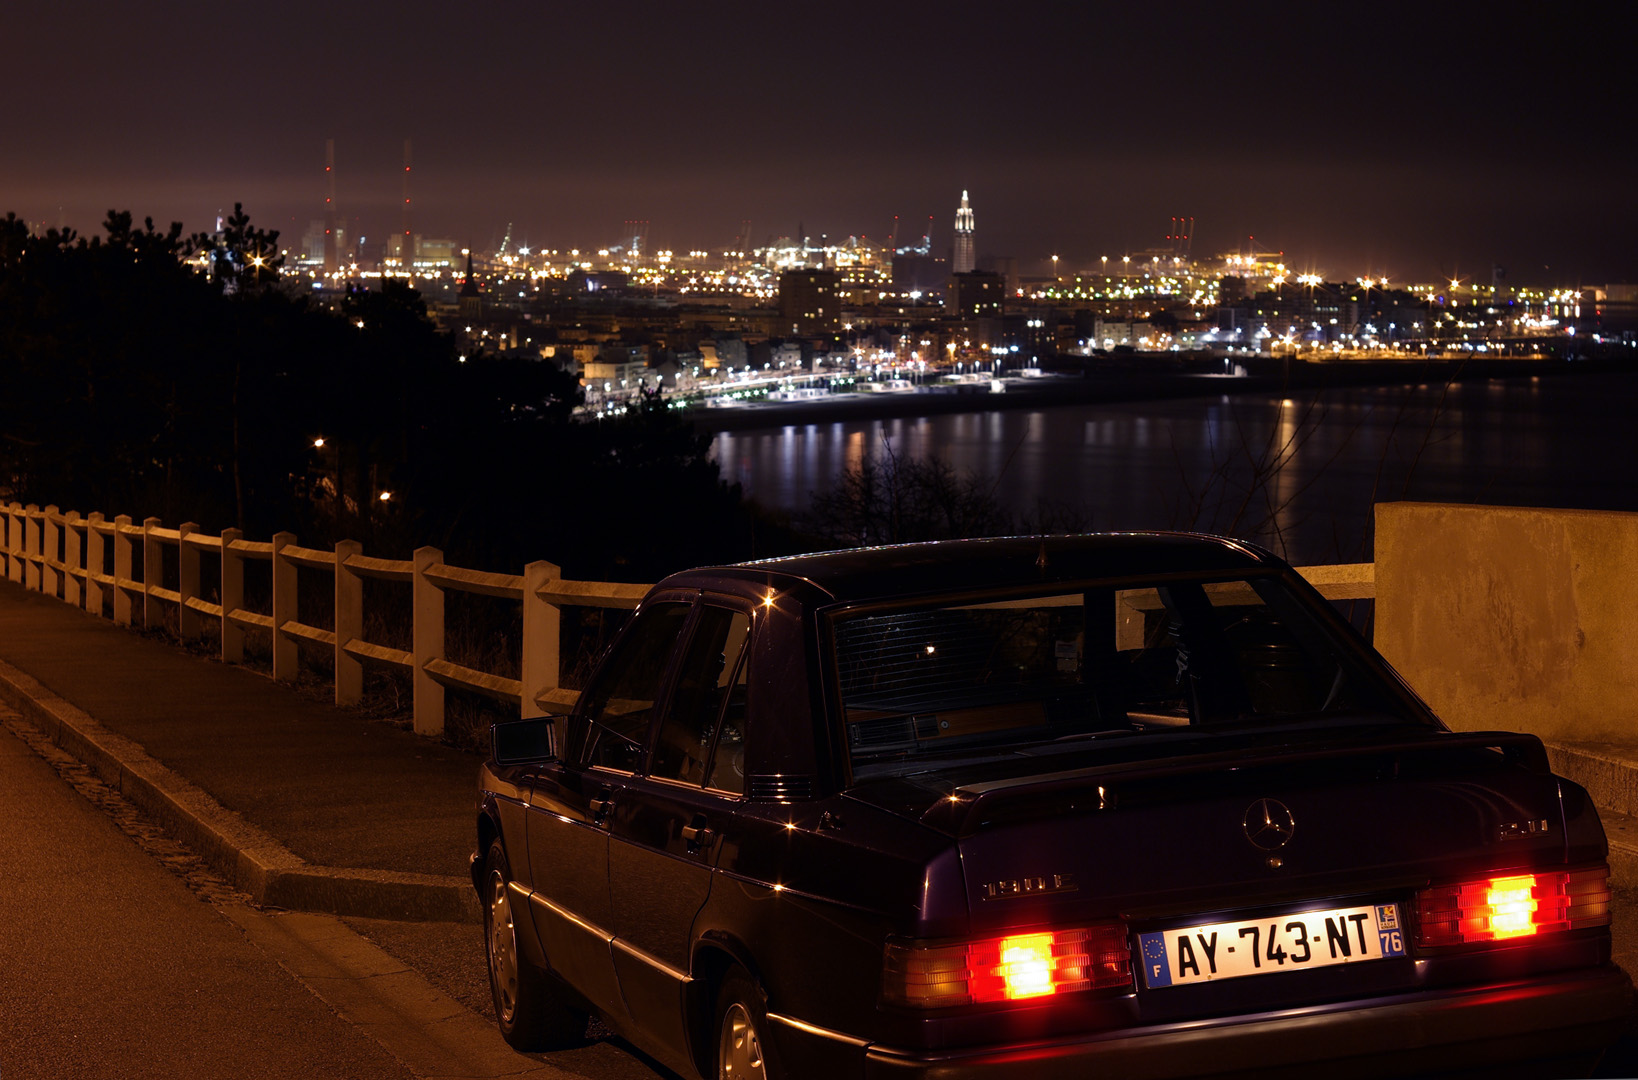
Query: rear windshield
974, 680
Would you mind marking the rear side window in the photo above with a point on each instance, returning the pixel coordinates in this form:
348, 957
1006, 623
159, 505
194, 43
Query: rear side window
1226, 651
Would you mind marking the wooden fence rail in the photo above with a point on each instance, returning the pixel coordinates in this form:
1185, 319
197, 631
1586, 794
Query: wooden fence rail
66, 556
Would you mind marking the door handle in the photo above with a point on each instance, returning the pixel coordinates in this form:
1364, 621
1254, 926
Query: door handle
695, 834
601, 805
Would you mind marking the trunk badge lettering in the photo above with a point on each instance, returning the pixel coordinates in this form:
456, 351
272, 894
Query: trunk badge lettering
1014, 888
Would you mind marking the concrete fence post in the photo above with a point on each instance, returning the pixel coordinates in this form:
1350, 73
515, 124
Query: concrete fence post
5, 541
72, 556
13, 543
285, 660
349, 624
187, 582
122, 570
31, 547
542, 628
153, 574
96, 562
233, 597
50, 552
428, 600
16, 548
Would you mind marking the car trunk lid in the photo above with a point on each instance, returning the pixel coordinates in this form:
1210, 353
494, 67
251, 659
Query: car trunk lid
1198, 833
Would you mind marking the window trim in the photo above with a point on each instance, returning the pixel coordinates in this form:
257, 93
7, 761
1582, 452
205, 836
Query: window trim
744, 664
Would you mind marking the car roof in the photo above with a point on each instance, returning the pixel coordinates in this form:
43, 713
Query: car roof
873, 573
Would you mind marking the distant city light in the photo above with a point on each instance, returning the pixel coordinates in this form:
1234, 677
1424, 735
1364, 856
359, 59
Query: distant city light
1165, 299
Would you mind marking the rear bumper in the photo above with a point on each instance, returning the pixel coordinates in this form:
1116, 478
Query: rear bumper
1437, 1031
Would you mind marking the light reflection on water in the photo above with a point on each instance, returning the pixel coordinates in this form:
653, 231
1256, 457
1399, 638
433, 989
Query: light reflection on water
1298, 476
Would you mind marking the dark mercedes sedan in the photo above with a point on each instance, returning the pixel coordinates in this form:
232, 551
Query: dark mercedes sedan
1125, 805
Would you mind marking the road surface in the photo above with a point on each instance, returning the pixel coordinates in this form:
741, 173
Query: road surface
114, 967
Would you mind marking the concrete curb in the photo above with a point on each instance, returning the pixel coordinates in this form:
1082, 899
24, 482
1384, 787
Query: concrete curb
430, 1032
250, 858
1604, 769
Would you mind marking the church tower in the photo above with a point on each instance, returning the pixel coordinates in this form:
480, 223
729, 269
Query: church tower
965, 257
471, 300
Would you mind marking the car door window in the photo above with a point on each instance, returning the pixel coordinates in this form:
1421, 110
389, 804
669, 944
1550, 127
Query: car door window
708, 681
620, 701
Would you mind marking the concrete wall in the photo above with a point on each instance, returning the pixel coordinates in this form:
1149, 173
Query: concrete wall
1513, 618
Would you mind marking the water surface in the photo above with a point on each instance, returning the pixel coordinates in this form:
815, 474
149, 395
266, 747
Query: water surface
1298, 474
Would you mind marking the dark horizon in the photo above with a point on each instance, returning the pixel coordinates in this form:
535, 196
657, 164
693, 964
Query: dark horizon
1409, 144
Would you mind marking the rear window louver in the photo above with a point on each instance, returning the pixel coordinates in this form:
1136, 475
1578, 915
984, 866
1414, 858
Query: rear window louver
892, 731
780, 786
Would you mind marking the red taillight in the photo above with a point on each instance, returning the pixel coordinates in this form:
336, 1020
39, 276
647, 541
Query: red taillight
1512, 906
1014, 967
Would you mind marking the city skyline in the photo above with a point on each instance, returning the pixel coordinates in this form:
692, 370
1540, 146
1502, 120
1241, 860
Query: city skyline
1413, 145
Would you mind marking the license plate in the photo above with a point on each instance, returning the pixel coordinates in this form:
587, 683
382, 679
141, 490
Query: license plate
1306, 939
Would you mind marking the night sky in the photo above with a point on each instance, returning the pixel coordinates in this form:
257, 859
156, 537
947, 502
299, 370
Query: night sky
1359, 139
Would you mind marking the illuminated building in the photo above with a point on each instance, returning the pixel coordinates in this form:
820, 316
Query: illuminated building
808, 301
321, 242
976, 294
434, 254
973, 304
965, 258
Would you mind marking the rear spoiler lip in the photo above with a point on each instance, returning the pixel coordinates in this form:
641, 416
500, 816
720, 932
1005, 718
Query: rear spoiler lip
963, 812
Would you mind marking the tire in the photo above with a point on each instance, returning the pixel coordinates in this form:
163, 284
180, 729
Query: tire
741, 1049
533, 1011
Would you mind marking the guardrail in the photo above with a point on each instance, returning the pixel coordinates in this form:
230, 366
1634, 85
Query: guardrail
65, 555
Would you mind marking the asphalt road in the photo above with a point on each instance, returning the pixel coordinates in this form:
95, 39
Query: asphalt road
110, 965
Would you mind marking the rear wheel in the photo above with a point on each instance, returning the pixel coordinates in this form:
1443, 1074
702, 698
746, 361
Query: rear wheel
532, 1009
742, 1025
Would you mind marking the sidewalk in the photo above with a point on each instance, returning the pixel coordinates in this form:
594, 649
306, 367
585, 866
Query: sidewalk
301, 805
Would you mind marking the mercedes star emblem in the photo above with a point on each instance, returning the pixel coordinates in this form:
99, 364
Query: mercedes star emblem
1268, 824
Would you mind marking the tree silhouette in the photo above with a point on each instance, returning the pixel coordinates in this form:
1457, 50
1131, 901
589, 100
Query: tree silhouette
241, 257
148, 374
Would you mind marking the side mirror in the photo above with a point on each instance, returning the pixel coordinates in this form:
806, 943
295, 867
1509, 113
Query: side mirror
517, 742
